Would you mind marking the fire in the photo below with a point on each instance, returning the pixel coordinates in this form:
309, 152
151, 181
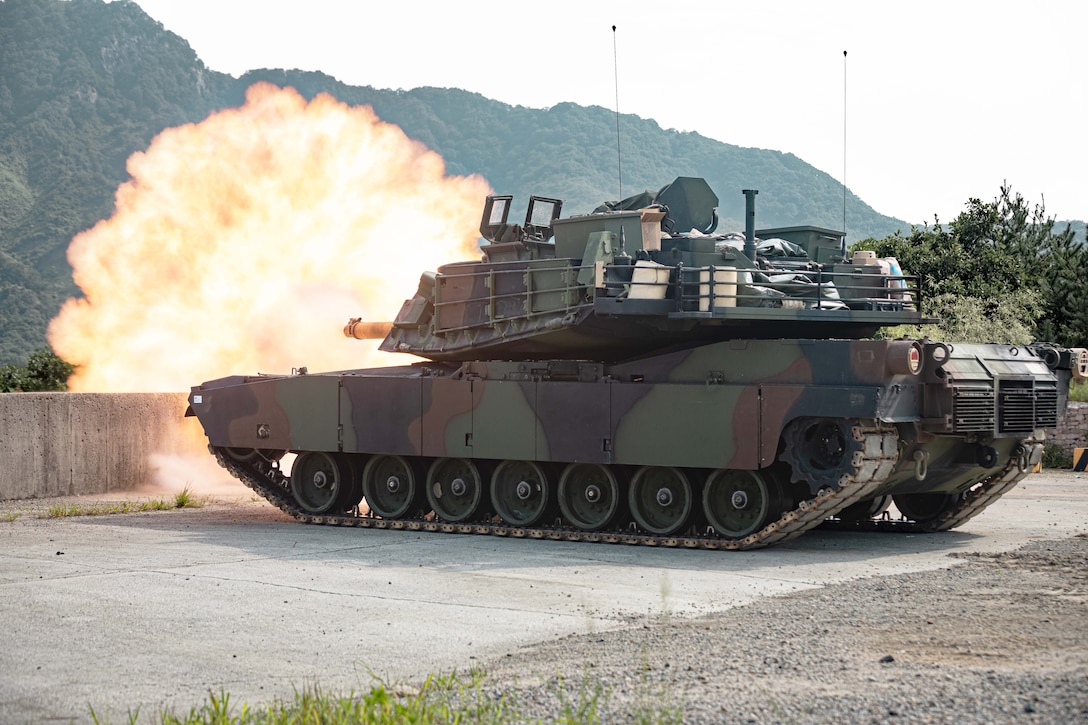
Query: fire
244, 243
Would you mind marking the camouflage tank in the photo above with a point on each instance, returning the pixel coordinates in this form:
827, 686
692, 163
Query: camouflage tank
631, 376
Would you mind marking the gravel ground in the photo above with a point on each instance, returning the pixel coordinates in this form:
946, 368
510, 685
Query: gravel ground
997, 638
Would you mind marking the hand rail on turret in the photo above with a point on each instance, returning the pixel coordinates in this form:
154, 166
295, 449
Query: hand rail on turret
472, 295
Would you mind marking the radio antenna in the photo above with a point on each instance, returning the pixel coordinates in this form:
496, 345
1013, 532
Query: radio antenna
616, 72
844, 153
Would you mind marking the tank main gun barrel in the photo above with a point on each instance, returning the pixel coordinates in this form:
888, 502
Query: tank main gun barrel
367, 330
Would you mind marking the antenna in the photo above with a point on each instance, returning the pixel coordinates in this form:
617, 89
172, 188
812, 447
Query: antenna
616, 71
844, 153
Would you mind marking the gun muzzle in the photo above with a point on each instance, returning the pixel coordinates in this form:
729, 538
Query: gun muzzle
367, 330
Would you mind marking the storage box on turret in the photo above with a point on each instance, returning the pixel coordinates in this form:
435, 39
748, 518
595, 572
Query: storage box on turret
867, 279
823, 246
641, 230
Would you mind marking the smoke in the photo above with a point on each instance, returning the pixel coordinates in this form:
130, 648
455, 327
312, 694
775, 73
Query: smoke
199, 474
243, 243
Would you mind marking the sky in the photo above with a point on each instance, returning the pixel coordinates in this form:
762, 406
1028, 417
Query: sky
935, 103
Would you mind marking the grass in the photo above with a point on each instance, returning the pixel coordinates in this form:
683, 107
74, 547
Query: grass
9, 515
1054, 456
439, 700
580, 703
183, 499
1078, 391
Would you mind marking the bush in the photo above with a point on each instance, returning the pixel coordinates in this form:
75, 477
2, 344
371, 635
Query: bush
44, 371
1054, 456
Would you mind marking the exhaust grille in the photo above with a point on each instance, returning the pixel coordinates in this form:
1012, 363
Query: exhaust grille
1046, 408
973, 410
1023, 408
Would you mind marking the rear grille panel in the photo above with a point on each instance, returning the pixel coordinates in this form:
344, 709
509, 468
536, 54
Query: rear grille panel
1018, 408
973, 409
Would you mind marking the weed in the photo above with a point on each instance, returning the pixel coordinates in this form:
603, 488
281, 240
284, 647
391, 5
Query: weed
654, 703
1078, 391
9, 515
62, 511
186, 499
656, 706
439, 700
1054, 456
586, 707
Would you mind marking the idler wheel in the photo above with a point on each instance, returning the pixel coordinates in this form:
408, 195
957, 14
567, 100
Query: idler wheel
321, 482
391, 487
242, 455
589, 495
520, 492
820, 451
660, 499
865, 510
454, 489
739, 503
925, 507
250, 455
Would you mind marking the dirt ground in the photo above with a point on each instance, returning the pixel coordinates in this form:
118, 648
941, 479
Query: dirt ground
997, 638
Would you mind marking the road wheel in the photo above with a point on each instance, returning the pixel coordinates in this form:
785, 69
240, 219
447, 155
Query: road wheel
739, 503
660, 499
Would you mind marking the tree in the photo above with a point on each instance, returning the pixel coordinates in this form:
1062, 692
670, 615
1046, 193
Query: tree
998, 270
44, 371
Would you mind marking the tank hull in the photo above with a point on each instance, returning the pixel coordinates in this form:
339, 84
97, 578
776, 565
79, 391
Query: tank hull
723, 445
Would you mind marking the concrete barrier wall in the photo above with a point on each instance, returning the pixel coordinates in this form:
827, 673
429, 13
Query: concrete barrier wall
65, 444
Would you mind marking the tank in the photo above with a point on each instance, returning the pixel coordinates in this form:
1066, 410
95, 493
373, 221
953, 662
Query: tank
633, 376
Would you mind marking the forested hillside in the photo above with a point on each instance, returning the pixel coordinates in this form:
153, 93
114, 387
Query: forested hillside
85, 84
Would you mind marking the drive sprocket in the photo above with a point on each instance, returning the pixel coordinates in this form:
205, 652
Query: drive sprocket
822, 451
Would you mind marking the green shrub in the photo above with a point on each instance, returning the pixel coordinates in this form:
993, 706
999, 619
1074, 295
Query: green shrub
1054, 456
44, 371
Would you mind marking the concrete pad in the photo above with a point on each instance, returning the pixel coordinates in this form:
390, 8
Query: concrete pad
157, 609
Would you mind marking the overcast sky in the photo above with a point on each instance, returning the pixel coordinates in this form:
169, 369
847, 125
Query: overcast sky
944, 101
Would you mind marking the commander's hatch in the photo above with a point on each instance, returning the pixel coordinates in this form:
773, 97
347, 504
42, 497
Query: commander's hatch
539, 216
495, 226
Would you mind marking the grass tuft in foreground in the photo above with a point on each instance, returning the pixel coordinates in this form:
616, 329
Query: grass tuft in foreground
183, 499
439, 700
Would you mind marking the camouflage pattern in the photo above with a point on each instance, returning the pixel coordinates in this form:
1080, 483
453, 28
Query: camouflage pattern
723, 405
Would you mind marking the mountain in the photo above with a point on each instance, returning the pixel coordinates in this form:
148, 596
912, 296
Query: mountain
84, 84
569, 151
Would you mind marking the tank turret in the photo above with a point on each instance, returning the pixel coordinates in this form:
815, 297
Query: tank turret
628, 281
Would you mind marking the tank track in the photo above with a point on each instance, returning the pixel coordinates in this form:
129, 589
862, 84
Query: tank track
870, 467
978, 497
